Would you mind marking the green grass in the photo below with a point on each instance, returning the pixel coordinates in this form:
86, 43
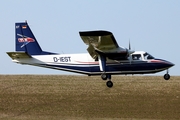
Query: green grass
36, 97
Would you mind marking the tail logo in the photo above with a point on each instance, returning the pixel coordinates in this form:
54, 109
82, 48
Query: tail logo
25, 40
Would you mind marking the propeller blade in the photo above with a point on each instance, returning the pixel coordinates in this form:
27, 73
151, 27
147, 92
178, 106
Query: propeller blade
130, 51
129, 45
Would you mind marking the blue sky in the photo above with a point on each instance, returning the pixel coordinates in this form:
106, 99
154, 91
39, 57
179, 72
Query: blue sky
151, 25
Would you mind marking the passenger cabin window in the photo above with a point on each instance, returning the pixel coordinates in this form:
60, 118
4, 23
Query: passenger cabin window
136, 57
147, 56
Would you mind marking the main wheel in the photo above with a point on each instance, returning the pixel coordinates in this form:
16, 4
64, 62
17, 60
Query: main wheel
109, 84
166, 76
104, 76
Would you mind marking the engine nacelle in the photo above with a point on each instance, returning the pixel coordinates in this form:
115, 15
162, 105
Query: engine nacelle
118, 54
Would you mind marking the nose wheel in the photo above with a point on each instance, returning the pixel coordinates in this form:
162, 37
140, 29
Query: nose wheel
167, 76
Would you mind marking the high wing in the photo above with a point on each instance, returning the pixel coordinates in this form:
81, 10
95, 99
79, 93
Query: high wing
103, 43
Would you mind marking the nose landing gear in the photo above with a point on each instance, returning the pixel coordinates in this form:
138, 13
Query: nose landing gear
167, 76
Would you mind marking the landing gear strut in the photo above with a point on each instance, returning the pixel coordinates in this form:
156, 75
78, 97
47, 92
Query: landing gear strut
105, 76
167, 76
102, 66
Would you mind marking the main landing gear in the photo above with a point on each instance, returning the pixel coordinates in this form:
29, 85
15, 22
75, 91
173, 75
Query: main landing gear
105, 76
167, 76
102, 66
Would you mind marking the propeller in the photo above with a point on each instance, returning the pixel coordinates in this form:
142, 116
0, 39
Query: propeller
129, 45
130, 51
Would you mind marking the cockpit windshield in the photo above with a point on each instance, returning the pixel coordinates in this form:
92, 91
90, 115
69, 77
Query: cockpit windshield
147, 56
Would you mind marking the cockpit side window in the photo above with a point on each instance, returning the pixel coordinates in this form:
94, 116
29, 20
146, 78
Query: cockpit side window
147, 56
136, 57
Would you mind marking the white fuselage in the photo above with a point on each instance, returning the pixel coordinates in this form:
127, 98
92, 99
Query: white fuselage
85, 64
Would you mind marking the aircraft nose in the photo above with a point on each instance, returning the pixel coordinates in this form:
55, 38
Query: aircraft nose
169, 64
164, 63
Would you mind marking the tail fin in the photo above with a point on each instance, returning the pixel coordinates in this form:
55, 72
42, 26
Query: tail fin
26, 41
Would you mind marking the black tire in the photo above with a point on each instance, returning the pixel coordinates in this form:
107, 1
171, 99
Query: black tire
104, 76
166, 76
109, 84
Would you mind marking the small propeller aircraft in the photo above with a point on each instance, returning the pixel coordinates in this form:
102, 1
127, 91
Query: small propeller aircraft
105, 57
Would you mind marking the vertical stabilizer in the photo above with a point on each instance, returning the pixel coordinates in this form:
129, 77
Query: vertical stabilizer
26, 41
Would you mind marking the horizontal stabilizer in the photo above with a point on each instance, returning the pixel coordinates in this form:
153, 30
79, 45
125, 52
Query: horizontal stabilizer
16, 55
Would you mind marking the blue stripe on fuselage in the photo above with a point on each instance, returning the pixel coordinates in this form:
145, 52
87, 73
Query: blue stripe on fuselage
139, 67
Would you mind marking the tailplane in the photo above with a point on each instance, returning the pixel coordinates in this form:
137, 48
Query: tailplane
26, 41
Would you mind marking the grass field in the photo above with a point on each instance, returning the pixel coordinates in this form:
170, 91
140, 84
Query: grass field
44, 97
